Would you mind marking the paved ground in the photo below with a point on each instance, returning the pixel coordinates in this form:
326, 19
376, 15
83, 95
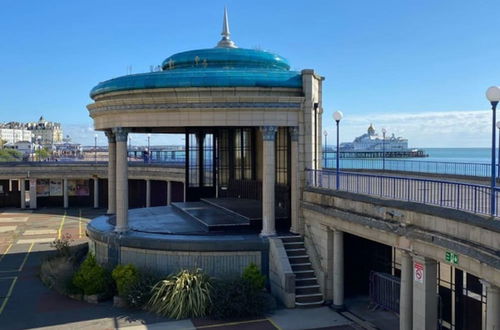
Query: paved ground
25, 302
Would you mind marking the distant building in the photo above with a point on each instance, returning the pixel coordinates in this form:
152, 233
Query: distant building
45, 132
13, 132
371, 141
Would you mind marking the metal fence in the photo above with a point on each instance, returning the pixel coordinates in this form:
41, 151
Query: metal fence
456, 195
385, 290
424, 166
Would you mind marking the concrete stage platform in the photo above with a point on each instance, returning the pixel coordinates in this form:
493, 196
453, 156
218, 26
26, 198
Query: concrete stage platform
231, 215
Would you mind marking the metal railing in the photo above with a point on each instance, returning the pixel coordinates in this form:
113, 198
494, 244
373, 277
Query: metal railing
456, 195
423, 166
385, 290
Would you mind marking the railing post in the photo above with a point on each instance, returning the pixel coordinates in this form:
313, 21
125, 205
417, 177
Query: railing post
441, 194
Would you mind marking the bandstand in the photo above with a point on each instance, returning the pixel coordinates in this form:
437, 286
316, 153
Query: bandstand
251, 127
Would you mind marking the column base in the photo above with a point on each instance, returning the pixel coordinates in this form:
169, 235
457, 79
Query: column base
121, 230
265, 235
337, 308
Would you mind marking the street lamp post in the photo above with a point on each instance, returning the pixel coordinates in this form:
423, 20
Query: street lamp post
337, 116
129, 147
383, 148
95, 148
493, 95
149, 148
325, 133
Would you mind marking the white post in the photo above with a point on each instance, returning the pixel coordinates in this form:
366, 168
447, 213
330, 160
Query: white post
406, 292
121, 180
148, 193
111, 172
338, 269
32, 194
425, 298
96, 192
22, 189
492, 306
169, 192
268, 181
65, 193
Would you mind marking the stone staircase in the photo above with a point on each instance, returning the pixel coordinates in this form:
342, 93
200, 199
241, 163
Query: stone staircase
307, 291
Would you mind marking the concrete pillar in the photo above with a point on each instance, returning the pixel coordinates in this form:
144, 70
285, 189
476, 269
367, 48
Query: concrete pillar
111, 172
294, 184
338, 269
96, 193
185, 192
121, 135
169, 192
148, 193
425, 297
406, 293
65, 193
32, 194
22, 189
268, 180
492, 306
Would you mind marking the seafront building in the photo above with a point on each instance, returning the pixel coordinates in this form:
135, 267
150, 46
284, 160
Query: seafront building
372, 141
252, 190
45, 132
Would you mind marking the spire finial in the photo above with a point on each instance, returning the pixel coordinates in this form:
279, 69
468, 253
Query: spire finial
226, 41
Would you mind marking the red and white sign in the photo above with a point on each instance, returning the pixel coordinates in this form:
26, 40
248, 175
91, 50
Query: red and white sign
418, 272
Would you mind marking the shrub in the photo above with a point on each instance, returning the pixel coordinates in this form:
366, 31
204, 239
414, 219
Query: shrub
62, 245
92, 278
139, 292
185, 294
124, 276
252, 274
239, 298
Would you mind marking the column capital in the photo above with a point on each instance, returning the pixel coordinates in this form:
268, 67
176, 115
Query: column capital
294, 133
111, 136
121, 134
268, 132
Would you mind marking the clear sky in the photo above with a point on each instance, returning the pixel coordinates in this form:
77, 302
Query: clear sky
417, 68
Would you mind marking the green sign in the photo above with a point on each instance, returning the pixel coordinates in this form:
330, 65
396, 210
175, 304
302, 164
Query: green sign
451, 257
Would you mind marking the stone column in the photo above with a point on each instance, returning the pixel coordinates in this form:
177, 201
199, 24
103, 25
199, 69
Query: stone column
492, 306
268, 180
96, 193
121, 135
295, 179
169, 192
65, 193
111, 172
338, 269
406, 293
22, 189
32, 194
425, 298
148, 193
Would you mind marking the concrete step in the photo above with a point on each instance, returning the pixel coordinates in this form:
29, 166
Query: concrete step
304, 266
298, 259
295, 252
293, 245
304, 274
289, 239
307, 290
309, 305
305, 281
309, 298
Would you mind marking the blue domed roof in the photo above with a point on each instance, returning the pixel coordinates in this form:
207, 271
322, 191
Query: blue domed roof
213, 67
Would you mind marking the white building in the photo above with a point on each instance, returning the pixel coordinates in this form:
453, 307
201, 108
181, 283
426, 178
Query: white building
371, 141
45, 132
11, 133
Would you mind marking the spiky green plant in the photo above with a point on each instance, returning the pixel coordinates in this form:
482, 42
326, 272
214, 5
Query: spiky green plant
185, 294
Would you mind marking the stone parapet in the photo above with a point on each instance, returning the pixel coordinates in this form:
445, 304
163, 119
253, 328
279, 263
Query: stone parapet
281, 275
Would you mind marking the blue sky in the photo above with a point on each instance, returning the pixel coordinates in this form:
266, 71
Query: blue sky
417, 68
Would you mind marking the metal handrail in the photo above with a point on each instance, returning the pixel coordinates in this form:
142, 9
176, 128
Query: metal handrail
474, 198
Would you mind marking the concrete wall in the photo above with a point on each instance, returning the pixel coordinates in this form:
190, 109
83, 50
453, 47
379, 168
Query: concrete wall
424, 230
281, 275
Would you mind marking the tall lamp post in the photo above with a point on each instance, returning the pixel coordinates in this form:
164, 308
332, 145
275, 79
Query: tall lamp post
337, 116
325, 133
149, 148
95, 148
498, 169
129, 147
383, 148
493, 95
